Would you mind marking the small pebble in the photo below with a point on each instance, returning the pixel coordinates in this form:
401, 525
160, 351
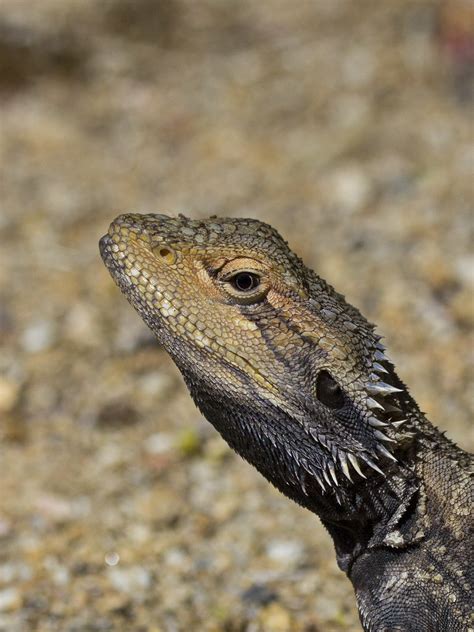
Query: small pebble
285, 551
9, 393
10, 599
38, 336
131, 580
159, 443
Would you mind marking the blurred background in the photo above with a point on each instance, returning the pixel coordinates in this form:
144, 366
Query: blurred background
348, 126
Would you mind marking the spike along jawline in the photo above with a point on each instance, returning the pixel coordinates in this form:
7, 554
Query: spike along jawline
332, 471
381, 437
386, 453
399, 423
345, 468
377, 423
371, 464
373, 404
382, 389
355, 464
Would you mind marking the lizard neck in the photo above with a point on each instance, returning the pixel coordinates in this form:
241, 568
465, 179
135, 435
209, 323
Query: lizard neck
360, 515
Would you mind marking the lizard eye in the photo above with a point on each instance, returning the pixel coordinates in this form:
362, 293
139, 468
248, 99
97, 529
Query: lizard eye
328, 390
245, 281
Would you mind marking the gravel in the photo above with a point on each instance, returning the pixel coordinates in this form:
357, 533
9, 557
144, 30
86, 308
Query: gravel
347, 126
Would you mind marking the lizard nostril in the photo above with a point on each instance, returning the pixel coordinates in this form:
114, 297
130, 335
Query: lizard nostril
165, 254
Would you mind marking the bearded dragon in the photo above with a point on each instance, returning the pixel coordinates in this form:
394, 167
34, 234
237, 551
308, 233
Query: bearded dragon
299, 384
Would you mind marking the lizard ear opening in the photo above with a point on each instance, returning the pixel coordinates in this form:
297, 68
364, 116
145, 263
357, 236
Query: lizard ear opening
165, 254
328, 391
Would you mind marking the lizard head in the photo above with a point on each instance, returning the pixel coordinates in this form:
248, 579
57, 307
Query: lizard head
276, 359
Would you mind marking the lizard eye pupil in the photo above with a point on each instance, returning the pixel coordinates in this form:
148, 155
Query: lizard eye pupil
245, 281
328, 390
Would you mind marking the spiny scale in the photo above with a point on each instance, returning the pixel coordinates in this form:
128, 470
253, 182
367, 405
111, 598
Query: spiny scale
303, 484
373, 404
326, 477
320, 482
355, 464
332, 472
391, 408
383, 450
344, 466
371, 464
381, 388
381, 437
376, 423
397, 424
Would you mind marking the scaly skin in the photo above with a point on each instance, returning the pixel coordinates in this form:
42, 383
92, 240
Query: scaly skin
298, 383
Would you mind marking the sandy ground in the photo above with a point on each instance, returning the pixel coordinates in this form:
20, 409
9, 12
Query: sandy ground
347, 126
